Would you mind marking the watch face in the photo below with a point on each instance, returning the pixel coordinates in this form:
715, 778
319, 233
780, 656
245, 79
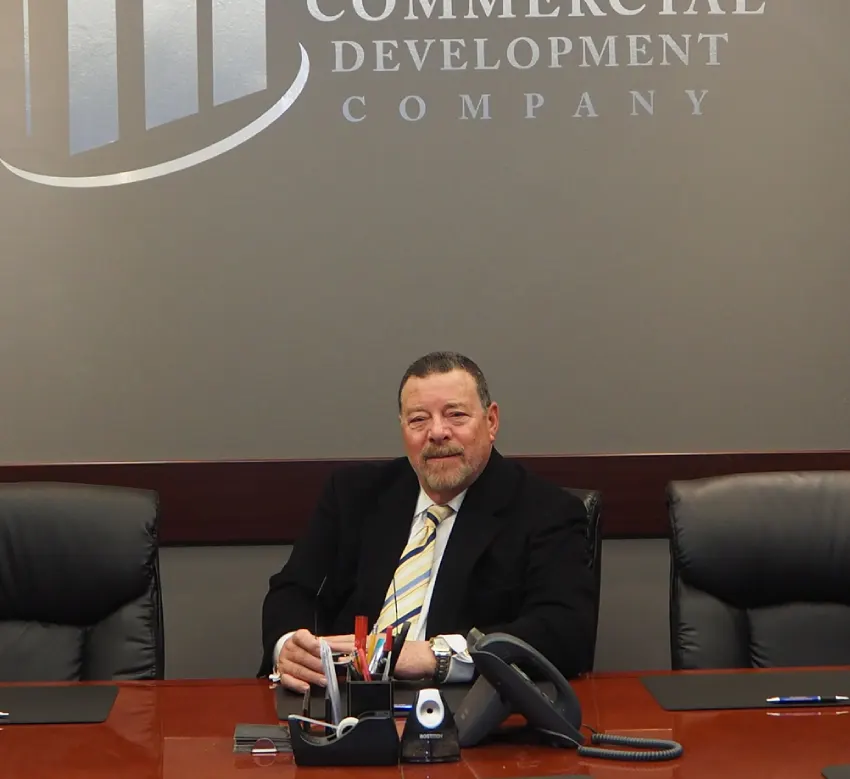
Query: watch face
441, 646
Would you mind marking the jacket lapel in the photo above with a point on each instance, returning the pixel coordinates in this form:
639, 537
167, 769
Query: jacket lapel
477, 523
385, 534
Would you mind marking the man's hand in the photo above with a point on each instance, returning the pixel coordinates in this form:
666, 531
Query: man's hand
300, 664
417, 661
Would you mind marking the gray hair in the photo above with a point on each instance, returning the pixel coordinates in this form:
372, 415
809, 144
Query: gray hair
445, 362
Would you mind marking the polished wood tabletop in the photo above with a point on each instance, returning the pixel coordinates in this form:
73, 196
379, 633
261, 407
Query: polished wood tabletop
176, 729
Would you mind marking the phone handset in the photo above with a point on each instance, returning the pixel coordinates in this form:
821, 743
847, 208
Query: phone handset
504, 688
497, 658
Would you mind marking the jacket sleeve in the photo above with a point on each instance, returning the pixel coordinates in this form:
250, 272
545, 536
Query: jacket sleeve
291, 601
558, 613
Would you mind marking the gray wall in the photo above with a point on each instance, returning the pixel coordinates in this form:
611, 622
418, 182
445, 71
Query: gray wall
672, 282
630, 281
213, 596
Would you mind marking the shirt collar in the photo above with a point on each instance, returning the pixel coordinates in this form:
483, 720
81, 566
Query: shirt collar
424, 502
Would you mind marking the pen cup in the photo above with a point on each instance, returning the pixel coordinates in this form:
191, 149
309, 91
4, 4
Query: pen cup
369, 697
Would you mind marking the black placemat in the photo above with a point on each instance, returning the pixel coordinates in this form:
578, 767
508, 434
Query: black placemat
836, 772
698, 692
404, 693
53, 705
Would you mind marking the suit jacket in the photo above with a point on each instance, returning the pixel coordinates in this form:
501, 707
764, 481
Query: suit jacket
516, 561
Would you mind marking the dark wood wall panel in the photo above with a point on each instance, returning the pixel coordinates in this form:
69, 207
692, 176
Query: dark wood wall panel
271, 500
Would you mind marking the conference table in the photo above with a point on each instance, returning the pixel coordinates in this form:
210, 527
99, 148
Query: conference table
176, 729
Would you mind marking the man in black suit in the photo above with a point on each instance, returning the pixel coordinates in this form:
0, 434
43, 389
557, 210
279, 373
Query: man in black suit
506, 553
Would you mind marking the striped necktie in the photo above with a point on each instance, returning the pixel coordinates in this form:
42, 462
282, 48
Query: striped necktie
406, 592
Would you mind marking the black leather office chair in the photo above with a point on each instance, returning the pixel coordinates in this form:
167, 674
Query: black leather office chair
760, 570
80, 593
592, 503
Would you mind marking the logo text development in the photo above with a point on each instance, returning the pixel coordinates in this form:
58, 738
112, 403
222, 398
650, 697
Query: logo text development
563, 46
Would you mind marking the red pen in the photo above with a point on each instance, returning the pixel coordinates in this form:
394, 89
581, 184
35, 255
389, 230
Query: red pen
361, 628
388, 653
364, 666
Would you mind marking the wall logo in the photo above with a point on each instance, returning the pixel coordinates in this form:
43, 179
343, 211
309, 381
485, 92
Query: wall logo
156, 79
234, 50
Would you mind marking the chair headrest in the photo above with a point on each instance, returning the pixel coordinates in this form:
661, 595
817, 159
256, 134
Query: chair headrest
73, 554
763, 539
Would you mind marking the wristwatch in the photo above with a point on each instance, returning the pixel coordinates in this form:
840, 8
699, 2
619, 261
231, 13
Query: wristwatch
443, 652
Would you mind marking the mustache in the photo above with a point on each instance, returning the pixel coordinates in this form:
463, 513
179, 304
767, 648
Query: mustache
441, 451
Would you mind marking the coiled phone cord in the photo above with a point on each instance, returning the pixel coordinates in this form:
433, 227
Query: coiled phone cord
656, 749
652, 749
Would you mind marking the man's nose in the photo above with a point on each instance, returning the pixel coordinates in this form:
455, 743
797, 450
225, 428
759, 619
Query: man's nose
439, 430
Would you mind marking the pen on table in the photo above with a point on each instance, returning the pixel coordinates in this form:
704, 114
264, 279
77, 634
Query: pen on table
5, 714
808, 699
802, 712
398, 643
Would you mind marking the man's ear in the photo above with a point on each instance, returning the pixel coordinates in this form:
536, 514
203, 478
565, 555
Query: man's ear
493, 421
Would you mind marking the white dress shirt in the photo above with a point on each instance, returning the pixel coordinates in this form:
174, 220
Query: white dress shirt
461, 668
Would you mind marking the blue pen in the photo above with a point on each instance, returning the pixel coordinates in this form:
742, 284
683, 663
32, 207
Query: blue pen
809, 699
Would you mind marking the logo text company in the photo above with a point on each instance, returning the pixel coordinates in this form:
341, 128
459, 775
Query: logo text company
557, 44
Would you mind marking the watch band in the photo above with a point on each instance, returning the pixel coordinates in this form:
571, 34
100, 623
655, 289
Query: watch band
443, 652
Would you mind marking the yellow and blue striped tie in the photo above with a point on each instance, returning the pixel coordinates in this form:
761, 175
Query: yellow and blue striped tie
406, 592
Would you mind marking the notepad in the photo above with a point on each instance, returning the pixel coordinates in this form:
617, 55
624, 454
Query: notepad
250, 738
56, 704
751, 690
